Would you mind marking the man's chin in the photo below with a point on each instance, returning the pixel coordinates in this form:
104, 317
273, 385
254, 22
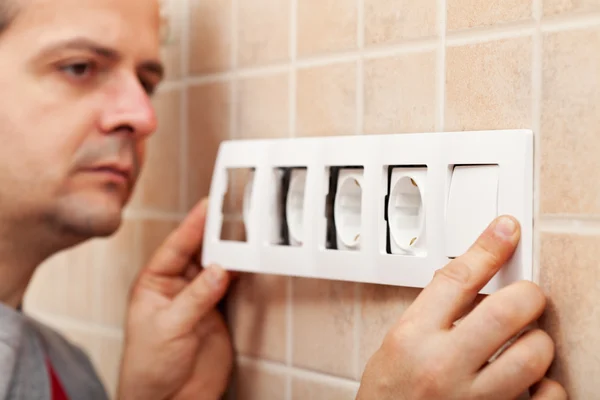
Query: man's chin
91, 216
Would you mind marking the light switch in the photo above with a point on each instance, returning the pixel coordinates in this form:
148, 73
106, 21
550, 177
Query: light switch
472, 205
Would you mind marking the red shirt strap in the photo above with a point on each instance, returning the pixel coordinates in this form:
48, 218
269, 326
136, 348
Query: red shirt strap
58, 392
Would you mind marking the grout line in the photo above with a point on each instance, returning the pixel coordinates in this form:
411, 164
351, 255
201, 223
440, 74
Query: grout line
360, 74
65, 322
455, 38
325, 378
578, 225
289, 350
183, 151
416, 46
440, 100
234, 85
154, 214
406, 47
292, 111
97, 295
184, 112
234, 35
357, 331
339, 58
573, 21
536, 76
274, 366
482, 35
360, 30
537, 11
292, 84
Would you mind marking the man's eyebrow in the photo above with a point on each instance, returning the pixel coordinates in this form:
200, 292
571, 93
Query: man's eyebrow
81, 43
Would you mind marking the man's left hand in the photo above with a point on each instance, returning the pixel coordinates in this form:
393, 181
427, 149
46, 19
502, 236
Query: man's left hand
176, 342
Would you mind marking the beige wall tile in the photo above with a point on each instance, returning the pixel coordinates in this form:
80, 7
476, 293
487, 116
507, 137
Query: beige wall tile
488, 85
263, 32
240, 177
570, 139
233, 229
464, 14
259, 382
400, 94
210, 36
172, 47
326, 26
326, 100
328, 305
46, 290
117, 263
80, 288
257, 316
390, 21
209, 108
263, 107
317, 388
570, 277
152, 234
552, 7
381, 308
162, 170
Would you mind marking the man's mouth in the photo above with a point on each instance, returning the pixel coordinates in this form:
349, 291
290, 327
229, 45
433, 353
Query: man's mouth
113, 172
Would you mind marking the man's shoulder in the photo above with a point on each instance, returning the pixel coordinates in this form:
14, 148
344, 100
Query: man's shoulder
72, 364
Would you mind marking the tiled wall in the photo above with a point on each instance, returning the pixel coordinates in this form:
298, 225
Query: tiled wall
259, 68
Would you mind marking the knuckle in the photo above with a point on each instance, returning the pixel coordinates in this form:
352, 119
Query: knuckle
431, 378
500, 315
534, 358
457, 273
399, 339
487, 252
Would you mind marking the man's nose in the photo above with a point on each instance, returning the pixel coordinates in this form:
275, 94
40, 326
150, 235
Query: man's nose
129, 107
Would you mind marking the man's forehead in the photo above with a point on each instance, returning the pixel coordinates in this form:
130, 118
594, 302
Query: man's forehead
124, 24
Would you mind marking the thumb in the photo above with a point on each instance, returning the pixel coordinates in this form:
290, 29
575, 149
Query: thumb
198, 298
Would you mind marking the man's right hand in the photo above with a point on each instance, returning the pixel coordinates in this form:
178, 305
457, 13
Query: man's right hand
425, 356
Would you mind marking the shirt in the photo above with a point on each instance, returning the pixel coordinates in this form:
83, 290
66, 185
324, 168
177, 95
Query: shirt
57, 390
36, 362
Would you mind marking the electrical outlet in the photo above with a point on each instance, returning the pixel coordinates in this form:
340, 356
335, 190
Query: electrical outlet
406, 210
387, 209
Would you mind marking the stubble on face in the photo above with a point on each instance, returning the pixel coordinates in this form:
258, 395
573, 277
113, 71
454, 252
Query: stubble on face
62, 121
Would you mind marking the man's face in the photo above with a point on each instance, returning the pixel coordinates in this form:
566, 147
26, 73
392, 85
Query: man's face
75, 110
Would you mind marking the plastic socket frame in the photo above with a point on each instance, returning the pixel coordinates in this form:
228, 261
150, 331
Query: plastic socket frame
374, 182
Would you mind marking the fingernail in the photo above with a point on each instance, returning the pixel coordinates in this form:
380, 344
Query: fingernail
215, 276
505, 227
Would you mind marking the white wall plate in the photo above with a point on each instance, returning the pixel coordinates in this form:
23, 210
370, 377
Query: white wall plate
387, 209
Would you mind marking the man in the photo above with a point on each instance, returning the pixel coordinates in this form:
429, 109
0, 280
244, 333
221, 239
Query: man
76, 79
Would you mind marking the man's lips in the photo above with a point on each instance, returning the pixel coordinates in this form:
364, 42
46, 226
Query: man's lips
114, 172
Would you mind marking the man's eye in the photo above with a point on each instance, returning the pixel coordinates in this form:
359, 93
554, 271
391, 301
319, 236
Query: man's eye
79, 70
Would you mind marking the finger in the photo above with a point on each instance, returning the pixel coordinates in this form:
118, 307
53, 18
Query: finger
549, 390
456, 286
198, 298
192, 271
518, 368
496, 320
174, 255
